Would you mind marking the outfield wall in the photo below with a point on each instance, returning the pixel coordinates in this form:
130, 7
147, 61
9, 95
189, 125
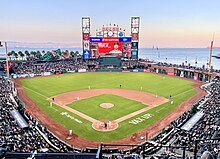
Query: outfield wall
158, 70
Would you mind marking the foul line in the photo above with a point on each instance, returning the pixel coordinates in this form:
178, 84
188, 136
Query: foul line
42, 96
160, 109
36, 92
183, 92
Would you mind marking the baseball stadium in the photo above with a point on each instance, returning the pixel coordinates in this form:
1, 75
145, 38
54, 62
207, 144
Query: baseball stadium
107, 102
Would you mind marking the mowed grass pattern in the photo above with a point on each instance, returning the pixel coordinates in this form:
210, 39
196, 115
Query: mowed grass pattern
39, 89
122, 106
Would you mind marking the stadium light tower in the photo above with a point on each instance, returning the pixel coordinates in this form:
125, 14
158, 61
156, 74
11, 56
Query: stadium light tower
6, 55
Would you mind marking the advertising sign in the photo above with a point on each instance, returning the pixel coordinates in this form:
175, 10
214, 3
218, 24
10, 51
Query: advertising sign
86, 45
135, 36
94, 49
95, 39
110, 47
86, 54
134, 45
85, 36
120, 34
110, 40
134, 52
126, 49
81, 70
125, 39
113, 46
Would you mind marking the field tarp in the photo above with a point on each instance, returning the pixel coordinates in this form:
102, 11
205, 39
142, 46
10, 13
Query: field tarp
19, 119
192, 121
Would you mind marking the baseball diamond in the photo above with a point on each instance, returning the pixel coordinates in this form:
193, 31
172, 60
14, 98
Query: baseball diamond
142, 104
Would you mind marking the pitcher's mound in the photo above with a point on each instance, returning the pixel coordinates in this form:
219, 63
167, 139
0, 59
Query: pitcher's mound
106, 105
105, 125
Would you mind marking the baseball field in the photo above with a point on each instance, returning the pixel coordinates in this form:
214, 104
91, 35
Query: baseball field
137, 100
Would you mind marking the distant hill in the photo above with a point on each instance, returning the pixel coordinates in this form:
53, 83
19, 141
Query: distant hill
13, 44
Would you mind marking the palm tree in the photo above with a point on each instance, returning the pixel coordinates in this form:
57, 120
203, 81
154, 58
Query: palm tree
33, 53
13, 53
20, 54
16, 55
27, 54
72, 54
77, 53
10, 54
38, 54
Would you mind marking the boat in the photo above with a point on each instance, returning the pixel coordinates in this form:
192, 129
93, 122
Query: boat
216, 56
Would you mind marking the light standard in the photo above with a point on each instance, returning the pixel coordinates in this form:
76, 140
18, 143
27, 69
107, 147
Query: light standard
6, 55
186, 60
196, 62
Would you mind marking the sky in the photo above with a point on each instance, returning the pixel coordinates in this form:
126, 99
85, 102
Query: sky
164, 23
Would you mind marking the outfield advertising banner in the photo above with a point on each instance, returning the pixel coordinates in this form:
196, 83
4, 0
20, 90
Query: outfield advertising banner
136, 70
81, 70
45, 74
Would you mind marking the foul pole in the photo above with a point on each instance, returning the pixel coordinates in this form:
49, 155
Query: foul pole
6, 55
210, 58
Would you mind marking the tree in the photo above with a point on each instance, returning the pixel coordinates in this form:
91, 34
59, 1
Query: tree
77, 53
16, 55
38, 54
33, 53
21, 54
27, 53
72, 54
10, 54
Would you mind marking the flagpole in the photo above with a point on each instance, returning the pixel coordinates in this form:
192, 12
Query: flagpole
210, 58
6, 52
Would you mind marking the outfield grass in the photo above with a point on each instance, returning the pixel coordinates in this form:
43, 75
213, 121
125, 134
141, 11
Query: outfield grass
38, 89
122, 106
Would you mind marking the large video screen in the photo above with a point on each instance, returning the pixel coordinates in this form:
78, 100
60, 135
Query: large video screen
110, 46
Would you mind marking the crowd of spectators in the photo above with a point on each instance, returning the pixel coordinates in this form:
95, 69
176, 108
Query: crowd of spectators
37, 137
13, 138
183, 66
53, 66
201, 134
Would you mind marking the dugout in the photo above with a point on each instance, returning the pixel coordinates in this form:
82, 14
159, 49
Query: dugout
109, 61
